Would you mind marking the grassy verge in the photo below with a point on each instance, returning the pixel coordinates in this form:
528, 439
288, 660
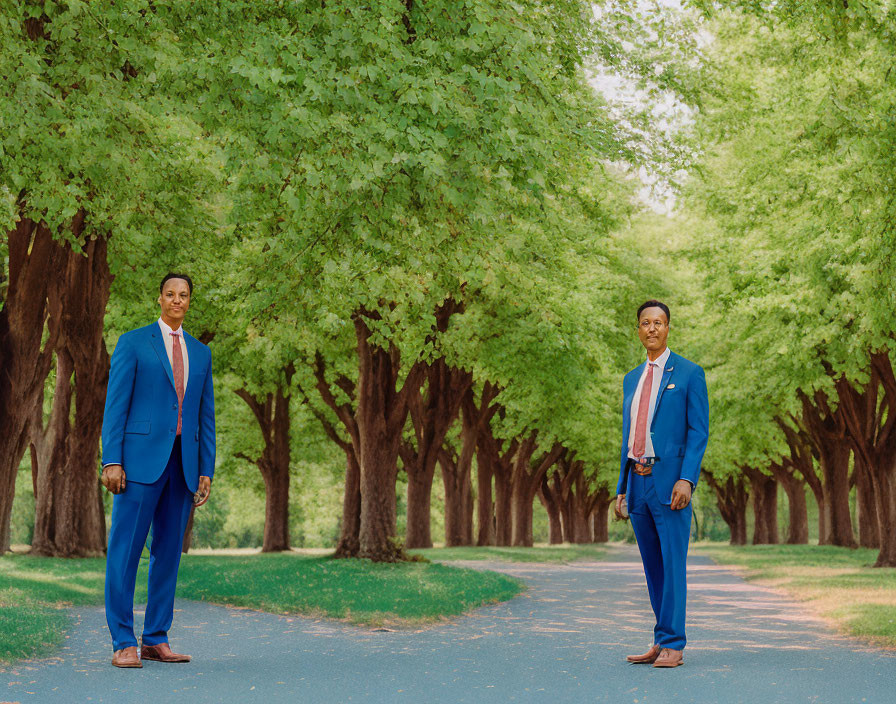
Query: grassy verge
837, 583
35, 591
552, 553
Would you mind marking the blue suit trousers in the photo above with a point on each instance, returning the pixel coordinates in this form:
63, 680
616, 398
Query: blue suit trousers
165, 506
662, 536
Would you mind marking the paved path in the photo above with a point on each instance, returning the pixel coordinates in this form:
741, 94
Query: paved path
563, 641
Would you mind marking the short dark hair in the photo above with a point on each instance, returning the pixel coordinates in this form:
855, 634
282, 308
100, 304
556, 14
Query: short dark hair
171, 275
655, 304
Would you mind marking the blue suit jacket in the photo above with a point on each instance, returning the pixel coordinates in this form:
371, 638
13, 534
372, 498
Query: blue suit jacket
140, 420
679, 429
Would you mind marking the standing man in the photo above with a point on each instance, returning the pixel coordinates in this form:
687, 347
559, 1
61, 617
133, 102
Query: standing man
158, 460
665, 426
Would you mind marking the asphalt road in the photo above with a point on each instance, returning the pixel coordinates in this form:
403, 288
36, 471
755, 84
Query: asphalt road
563, 641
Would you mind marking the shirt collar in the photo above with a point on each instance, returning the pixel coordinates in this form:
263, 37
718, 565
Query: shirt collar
662, 359
167, 330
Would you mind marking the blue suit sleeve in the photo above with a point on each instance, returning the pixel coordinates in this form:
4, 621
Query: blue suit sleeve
122, 372
620, 484
207, 426
698, 427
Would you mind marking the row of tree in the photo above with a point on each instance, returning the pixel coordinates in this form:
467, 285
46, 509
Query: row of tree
792, 235
398, 216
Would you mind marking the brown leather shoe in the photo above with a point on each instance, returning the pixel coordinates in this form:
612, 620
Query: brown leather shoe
162, 653
669, 658
126, 657
647, 658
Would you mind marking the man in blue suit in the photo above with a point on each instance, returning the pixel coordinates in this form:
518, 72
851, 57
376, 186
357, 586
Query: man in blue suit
158, 460
665, 426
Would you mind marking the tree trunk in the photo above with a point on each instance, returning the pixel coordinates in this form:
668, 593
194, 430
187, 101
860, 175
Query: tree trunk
349, 543
499, 461
433, 412
827, 431
456, 477
526, 478
798, 524
600, 517
274, 421
549, 501
731, 497
276, 508
583, 500
866, 506
467, 502
69, 521
485, 505
25, 357
871, 426
418, 533
834, 463
381, 415
764, 492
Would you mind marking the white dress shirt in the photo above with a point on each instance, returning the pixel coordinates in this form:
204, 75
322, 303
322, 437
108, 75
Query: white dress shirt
636, 399
169, 348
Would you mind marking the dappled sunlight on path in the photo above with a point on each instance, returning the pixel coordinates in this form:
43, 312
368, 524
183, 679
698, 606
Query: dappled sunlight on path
563, 640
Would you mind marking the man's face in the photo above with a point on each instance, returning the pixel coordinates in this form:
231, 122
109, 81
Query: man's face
653, 329
175, 300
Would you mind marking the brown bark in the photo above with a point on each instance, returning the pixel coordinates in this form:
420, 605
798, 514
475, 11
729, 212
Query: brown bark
498, 456
548, 498
802, 462
381, 414
526, 478
69, 520
349, 543
731, 497
274, 421
870, 419
764, 494
458, 495
795, 488
866, 505
480, 415
827, 431
600, 515
433, 410
25, 357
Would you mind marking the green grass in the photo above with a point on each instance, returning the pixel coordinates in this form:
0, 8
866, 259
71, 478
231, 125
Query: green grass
838, 583
34, 591
552, 553
356, 590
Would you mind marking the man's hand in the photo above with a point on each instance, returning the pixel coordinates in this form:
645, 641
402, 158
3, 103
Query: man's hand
205, 488
681, 494
113, 478
617, 507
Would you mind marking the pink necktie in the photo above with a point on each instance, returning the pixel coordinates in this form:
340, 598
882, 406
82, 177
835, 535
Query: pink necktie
177, 365
640, 445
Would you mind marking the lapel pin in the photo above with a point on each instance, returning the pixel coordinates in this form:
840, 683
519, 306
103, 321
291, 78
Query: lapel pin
671, 386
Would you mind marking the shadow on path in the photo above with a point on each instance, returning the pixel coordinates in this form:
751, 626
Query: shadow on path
564, 640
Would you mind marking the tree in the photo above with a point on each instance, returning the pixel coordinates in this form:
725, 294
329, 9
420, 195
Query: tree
97, 157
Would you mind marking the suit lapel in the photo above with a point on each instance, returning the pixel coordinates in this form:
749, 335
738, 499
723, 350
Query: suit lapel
667, 374
159, 346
